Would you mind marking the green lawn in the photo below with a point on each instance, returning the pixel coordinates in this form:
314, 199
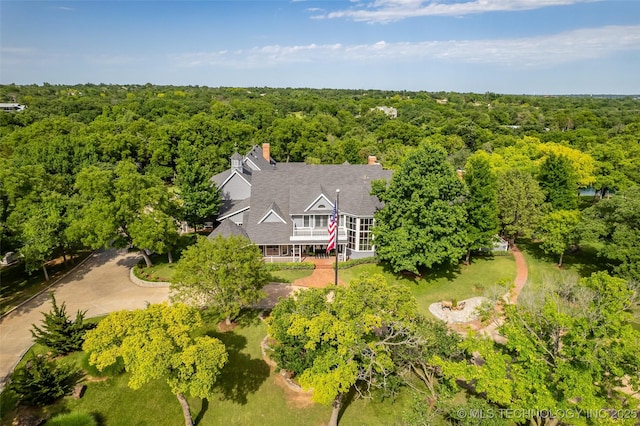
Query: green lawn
544, 268
458, 282
289, 275
248, 394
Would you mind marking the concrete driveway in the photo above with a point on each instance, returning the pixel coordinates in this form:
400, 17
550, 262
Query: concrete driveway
99, 286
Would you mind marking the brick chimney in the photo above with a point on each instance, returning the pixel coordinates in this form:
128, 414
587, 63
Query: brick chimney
372, 160
266, 151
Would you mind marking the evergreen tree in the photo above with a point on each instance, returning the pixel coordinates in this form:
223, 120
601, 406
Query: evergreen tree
482, 205
58, 332
40, 381
423, 221
558, 180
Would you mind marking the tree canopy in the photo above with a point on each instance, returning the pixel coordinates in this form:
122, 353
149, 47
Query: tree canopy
224, 274
338, 337
423, 221
157, 343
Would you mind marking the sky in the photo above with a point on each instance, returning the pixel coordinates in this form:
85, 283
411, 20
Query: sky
540, 47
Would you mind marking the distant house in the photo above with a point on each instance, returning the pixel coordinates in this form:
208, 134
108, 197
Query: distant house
390, 111
11, 107
284, 208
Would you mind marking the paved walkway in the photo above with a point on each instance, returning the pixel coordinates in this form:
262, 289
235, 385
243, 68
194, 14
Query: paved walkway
491, 329
323, 275
100, 285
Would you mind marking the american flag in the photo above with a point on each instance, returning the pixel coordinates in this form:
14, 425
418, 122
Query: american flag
333, 228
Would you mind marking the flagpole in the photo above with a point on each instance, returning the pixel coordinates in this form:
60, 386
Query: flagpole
337, 231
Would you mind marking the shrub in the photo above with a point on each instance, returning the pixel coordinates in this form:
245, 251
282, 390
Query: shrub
279, 266
58, 332
41, 381
353, 262
75, 418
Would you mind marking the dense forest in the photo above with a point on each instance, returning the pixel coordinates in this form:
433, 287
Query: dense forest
90, 166
79, 157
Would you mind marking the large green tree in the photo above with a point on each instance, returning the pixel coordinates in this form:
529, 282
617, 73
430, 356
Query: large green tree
157, 343
570, 349
122, 206
344, 338
520, 202
225, 274
558, 180
482, 205
199, 197
615, 222
423, 221
559, 231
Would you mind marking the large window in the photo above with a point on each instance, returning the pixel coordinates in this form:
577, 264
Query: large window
365, 234
322, 221
351, 224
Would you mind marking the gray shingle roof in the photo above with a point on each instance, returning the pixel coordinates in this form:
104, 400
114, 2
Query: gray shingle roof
294, 186
256, 157
226, 229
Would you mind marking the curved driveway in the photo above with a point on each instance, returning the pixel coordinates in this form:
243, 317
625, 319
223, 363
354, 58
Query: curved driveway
100, 285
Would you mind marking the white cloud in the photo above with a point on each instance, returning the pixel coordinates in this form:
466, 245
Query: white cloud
518, 53
396, 10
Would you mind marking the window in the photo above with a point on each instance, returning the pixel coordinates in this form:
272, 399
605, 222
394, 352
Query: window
306, 221
273, 250
365, 234
322, 221
351, 223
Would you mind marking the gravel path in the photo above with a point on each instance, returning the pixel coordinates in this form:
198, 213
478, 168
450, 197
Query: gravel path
467, 314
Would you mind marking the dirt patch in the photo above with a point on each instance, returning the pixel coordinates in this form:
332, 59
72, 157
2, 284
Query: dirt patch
224, 327
295, 399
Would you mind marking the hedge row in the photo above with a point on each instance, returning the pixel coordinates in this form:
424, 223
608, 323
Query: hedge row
353, 262
279, 266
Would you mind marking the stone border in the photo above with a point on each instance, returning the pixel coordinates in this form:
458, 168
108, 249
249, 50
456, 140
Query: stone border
290, 383
142, 283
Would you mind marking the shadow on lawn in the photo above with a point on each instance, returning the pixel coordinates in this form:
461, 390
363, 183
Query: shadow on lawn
243, 375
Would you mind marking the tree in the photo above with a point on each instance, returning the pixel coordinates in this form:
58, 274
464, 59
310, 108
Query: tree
423, 221
559, 231
225, 274
156, 343
558, 181
520, 201
571, 347
482, 205
41, 381
58, 331
200, 198
615, 222
343, 338
123, 207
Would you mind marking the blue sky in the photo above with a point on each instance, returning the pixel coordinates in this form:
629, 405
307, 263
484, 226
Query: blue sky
503, 46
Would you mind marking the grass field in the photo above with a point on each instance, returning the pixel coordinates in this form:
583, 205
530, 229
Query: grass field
249, 393
458, 282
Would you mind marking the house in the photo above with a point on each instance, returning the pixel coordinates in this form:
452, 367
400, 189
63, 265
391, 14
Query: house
284, 208
11, 107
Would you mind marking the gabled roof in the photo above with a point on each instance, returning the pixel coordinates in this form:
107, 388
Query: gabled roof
231, 207
323, 195
226, 229
293, 186
273, 210
256, 159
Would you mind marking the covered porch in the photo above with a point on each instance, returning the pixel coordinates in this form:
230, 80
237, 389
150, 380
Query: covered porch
305, 252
